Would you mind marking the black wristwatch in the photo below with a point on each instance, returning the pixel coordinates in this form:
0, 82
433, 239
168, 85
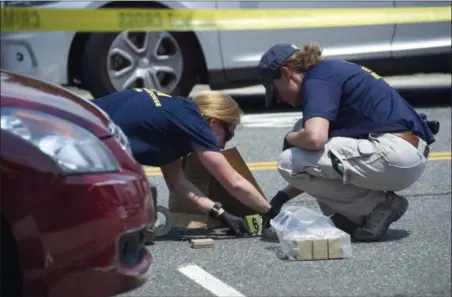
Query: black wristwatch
215, 209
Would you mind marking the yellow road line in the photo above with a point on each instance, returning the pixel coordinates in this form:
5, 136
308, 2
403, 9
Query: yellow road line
271, 165
437, 154
439, 158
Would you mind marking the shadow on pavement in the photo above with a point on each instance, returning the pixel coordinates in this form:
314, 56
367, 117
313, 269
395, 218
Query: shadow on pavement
254, 103
395, 234
391, 235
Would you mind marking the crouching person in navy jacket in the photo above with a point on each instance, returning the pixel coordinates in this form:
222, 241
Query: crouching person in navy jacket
358, 140
162, 129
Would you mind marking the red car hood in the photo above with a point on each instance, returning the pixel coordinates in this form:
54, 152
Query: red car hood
26, 92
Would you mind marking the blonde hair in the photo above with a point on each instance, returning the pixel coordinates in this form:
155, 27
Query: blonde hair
218, 105
303, 60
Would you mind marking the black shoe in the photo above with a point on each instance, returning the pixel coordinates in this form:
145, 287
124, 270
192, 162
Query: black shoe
379, 220
269, 215
343, 223
276, 204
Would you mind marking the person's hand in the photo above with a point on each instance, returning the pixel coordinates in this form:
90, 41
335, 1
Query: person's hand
237, 224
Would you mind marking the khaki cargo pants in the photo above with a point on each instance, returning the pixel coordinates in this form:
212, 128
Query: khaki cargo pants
383, 162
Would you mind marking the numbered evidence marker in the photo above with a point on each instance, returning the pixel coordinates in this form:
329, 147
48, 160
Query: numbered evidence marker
254, 224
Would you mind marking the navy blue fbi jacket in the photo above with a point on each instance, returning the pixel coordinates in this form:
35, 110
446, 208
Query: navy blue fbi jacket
357, 102
160, 128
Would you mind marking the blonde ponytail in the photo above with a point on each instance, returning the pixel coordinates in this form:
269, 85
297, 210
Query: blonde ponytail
218, 105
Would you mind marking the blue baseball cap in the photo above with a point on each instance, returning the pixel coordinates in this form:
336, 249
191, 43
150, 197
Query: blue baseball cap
269, 66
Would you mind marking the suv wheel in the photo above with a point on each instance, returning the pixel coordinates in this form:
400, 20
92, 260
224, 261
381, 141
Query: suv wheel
155, 60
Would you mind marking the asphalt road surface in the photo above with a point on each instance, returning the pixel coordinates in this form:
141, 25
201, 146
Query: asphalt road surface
413, 259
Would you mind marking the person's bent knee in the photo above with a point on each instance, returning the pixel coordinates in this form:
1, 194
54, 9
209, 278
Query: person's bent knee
286, 167
294, 160
298, 160
285, 160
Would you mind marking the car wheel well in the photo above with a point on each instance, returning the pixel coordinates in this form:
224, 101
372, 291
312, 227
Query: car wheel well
75, 58
10, 262
79, 42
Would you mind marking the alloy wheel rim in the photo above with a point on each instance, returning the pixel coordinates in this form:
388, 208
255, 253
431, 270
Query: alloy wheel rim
145, 60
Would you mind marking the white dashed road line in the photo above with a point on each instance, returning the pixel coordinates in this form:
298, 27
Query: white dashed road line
209, 282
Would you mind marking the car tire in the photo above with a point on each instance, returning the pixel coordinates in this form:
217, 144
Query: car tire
11, 276
105, 51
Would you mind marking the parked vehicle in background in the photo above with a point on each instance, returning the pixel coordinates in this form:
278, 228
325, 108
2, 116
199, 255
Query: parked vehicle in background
175, 62
75, 203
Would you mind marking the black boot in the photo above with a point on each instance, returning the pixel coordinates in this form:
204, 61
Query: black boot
340, 221
343, 223
379, 220
277, 202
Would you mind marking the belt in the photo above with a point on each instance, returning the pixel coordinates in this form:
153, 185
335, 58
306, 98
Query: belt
415, 141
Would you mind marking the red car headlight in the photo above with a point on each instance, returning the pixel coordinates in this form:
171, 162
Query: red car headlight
73, 148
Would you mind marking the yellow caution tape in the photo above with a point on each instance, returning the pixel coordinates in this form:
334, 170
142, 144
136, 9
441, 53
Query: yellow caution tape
14, 19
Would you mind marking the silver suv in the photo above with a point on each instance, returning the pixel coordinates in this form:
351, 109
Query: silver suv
175, 62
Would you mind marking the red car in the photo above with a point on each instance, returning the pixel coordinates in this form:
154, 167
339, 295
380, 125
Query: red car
75, 203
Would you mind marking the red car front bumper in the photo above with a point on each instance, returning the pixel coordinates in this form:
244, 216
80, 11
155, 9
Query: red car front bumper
83, 235
99, 243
